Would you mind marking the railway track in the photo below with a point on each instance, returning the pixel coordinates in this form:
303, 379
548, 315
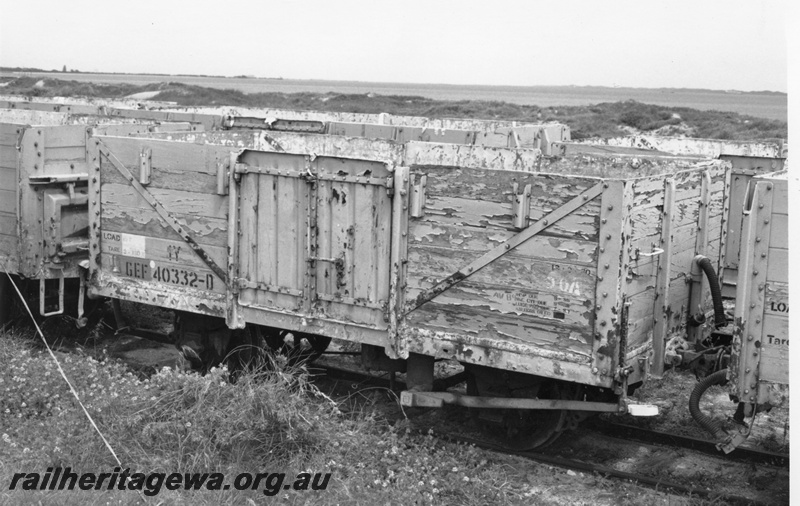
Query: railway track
617, 435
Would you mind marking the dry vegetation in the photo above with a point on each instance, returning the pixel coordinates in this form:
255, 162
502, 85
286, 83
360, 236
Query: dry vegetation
600, 120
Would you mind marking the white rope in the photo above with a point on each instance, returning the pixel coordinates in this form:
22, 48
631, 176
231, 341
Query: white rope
63, 375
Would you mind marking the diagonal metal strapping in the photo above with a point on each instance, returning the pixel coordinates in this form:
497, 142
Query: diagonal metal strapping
165, 215
495, 253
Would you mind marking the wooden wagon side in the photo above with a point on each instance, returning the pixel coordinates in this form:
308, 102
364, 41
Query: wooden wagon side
148, 197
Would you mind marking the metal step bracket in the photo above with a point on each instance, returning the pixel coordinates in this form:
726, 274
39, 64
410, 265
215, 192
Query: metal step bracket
521, 206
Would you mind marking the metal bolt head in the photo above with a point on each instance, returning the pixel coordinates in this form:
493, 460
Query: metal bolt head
755, 273
749, 338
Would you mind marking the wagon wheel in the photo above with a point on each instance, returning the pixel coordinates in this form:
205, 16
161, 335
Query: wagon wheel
297, 347
537, 428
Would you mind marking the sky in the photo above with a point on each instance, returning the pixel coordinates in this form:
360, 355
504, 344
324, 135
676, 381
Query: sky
712, 44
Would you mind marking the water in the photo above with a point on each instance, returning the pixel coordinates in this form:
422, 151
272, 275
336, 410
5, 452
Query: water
764, 105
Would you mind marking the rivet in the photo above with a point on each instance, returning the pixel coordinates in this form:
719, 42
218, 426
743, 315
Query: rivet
404, 234
752, 306
606, 266
758, 320
35, 144
599, 278
608, 236
605, 294
544, 222
470, 269
761, 206
610, 207
602, 250
749, 338
598, 336
508, 246
755, 273
594, 370
605, 185
763, 255
766, 222
747, 391
752, 398
755, 353
604, 220
752, 385
747, 371
603, 323
585, 197
38, 153
758, 239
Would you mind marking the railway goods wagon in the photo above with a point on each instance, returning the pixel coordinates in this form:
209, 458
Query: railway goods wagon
561, 280
759, 374
44, 199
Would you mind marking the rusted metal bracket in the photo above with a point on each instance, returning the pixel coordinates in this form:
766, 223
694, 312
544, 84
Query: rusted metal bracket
145, 165
497, 252
417, 197
159, 208
521, 206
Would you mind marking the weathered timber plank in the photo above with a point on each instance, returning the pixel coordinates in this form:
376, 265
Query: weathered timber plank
290, 231
165, 250
483, 157
365, 243
206, 231
513, 328
8, 179
8, 224
568, 250
8, 201
175, 276
168, 156
251, 246
174, 201
8, 157
167, 179
547, 190
482, 214
537, 304
428, 265
333, 145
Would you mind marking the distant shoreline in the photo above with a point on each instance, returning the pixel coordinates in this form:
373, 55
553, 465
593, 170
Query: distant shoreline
17, 70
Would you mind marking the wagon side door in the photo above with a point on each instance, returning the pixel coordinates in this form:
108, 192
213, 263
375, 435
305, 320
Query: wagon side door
313, 241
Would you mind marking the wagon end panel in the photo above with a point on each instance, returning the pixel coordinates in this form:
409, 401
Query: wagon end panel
502, 270
9, 243
160, 223
52, 201
314, 243
675, 217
